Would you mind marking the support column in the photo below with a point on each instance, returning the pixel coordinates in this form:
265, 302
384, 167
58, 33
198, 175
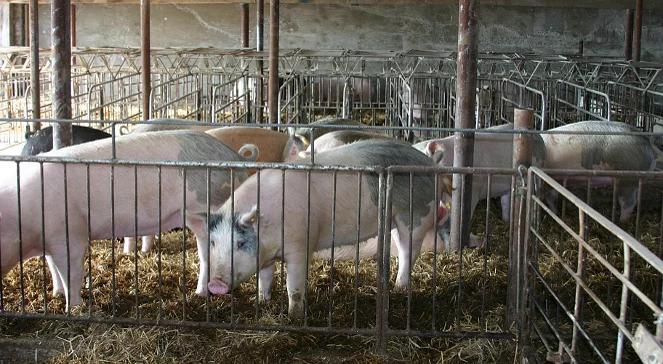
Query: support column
61, 79
244, 25
637, 33
34, 63
273, 61
628, 35
468, 45
146, 76
260, 46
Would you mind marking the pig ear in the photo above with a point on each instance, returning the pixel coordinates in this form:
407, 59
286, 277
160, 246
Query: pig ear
250, 218
196, 222
435, 151
292, 148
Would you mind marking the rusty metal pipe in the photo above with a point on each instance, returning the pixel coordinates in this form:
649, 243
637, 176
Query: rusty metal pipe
628, 35
468, 45
244, 24
146, 77
523, 119
61, 79
73, 25
34, 62
273, 60
637, 33
260, 41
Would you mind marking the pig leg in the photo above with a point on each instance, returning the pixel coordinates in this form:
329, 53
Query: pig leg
627, 196
506, 207
265, 283
296, 283
58, 289
129, 245
406, 258
203, 258
73, 282
148, 242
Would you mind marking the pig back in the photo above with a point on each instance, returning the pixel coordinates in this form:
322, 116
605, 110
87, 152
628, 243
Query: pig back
618, 152
270, 143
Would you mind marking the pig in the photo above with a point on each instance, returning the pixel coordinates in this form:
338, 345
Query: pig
490, 150
234, 227
42, 140
602, 152
169, 145
183, 125
271, 148
306, 133
333, 140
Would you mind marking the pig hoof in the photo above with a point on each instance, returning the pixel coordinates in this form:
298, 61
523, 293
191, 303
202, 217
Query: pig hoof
202, 292
264, 297
58, 292
476, 242
296, 312
400, 287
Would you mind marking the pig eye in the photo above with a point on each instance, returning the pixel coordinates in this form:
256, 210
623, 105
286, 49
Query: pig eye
241, 244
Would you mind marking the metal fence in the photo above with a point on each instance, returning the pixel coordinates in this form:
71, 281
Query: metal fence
593, 290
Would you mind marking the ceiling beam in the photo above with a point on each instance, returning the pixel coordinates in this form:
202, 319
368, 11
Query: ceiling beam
594, 4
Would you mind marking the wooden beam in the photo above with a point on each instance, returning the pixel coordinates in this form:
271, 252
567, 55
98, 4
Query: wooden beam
593, 4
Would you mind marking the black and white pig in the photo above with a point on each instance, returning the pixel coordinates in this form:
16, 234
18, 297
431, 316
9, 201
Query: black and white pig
234, 233
168, 145
601, 152
330, 141
490, 150
42, 140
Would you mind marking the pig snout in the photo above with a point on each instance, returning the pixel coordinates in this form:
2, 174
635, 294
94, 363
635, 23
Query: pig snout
217, 287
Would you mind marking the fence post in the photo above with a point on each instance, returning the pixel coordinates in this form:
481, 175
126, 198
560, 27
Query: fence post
522, 156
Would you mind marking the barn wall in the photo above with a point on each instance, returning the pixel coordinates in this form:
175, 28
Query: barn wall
395, 27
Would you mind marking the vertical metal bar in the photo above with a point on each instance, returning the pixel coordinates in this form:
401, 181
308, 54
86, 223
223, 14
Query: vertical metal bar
273, 60
258, 244
583, 225
628, 35
66, 240
358, 237
20, 234
232, 247
522, 156
89, 238
34, 62
260, 25
468, 44
159, 270
436, 184
282, 276
638, 208
623, 304
330, 290
136, 240
61, 78
383, 276
244, 24
637, 32
410, 263
386, 263
207, 220
145, 56
43, 235
308, 243
112, 196
482, 319
184, 301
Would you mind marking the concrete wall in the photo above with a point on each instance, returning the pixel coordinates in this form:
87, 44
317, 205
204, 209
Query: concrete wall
393, 27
